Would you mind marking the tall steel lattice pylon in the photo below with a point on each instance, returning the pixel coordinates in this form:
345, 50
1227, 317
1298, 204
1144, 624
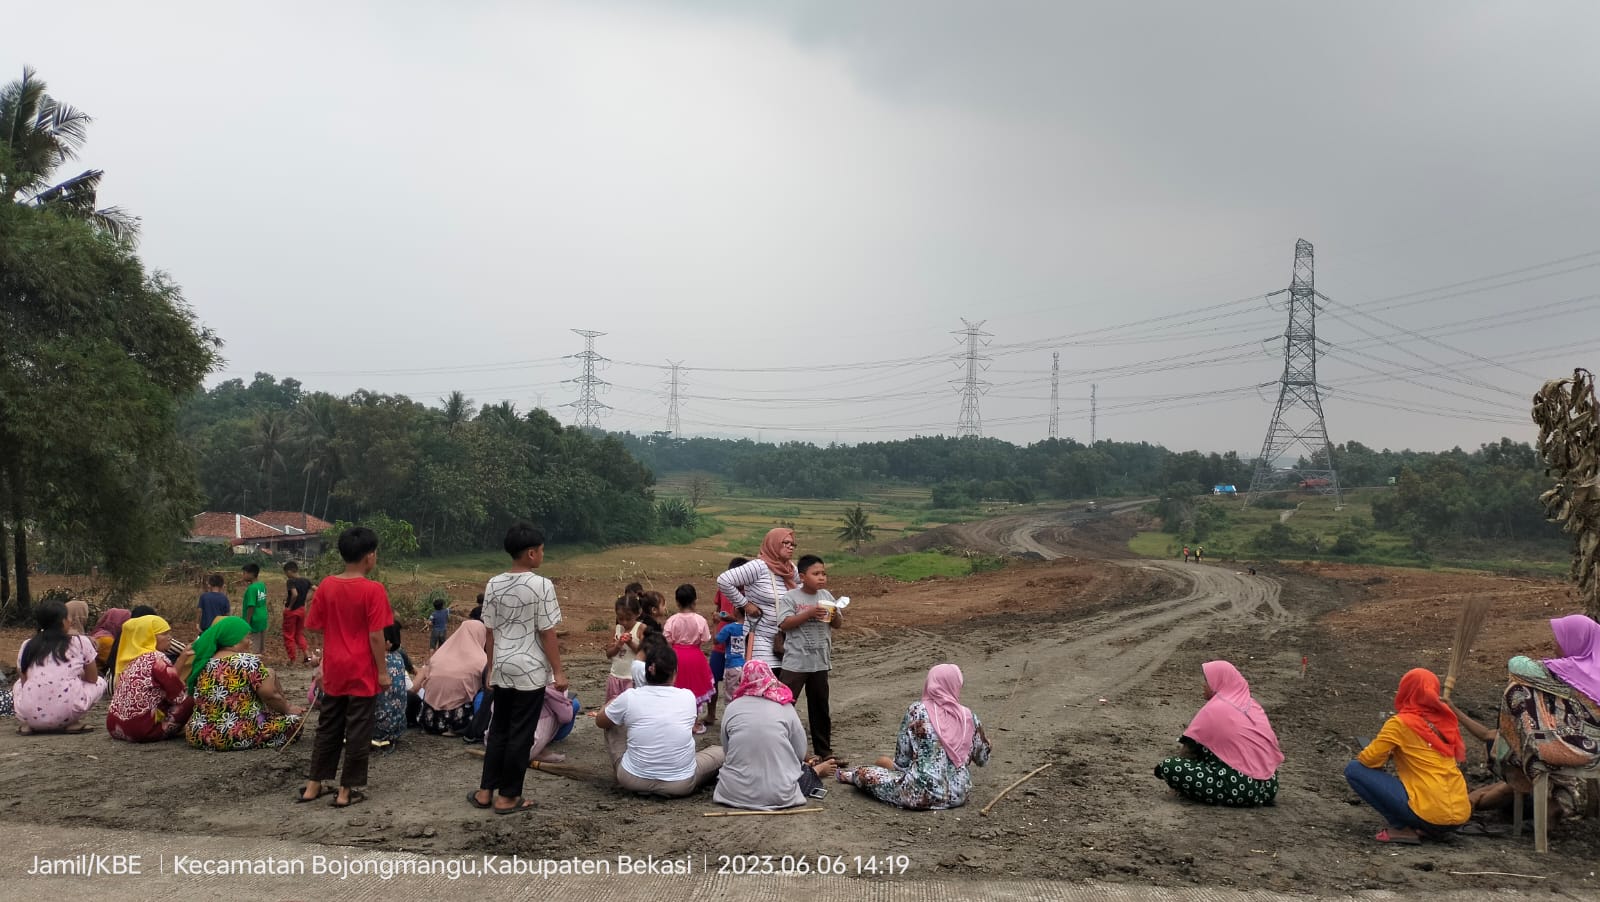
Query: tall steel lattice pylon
674, 382
1094, 413
1298, 426
589, 408
973, 337
1055, 394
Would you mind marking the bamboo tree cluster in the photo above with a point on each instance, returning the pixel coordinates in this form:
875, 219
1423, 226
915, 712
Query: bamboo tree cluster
1569, 446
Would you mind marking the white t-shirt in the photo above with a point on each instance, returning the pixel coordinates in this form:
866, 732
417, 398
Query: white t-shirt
660, 722
518, 606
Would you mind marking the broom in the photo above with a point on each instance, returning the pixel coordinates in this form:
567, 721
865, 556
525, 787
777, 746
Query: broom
1473, 613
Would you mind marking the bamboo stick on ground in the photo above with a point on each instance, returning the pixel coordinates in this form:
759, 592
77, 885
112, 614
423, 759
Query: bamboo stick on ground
759, 813
985, 810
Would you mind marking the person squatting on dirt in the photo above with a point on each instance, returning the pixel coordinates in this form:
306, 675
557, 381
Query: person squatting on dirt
238, 703
650, 731
1428, 798
1231, 754
939, 738
765, 767
58, 680
808, 626
755, 587
150, 702
1548, 714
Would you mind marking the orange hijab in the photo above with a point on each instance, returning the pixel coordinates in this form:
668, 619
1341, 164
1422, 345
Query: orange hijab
1419, 707
771, 546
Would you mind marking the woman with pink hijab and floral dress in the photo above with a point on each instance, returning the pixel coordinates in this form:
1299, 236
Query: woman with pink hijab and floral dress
1550, 713
1231, 754
939, 738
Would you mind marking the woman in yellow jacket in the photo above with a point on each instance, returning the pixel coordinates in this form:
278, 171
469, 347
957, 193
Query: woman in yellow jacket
1429, 797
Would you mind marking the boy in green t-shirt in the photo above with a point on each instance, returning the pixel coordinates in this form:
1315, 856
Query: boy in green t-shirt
254, 607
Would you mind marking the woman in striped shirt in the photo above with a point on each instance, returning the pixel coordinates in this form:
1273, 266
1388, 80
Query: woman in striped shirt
757, 587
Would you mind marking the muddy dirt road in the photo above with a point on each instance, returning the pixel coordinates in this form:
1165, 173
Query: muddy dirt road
1090, 665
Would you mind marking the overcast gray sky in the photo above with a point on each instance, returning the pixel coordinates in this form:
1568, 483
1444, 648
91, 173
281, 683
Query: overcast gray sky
415, 197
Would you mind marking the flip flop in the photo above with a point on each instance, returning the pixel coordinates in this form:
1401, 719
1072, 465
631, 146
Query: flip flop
356, 798
300, 796
521, 806
1384, 836
472, 799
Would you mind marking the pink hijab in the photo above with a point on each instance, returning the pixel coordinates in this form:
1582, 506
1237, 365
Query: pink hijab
1233, 726
557, 704
455, 672
771, 547
1579, 640
758, 680
953, 722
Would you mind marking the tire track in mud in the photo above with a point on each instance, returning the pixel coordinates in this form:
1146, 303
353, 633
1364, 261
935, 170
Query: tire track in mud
1076, 663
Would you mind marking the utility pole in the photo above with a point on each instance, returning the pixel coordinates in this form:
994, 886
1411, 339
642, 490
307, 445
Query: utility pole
1094, 411
973, 337
672, 400
1297, 422
589, 408
1055, 394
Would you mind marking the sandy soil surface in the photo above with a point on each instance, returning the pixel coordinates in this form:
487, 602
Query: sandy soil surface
1088, 664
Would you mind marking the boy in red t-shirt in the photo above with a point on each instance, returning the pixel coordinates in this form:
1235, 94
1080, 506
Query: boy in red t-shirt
350, 611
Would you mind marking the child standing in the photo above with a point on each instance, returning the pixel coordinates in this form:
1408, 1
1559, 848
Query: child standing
351, 614
686, 631
719, 649
294, 613
213, 602
808, 647
440, 619
254, 607
626, 637
732, 637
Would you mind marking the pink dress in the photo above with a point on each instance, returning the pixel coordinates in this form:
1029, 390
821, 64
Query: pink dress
686, 632
54, 694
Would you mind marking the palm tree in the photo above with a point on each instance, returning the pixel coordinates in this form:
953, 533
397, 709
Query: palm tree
856, 528
269, 438
316, 423
457, 411
39, 133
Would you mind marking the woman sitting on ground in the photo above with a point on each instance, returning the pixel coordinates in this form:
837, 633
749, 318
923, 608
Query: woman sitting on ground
1550, 714
151, 701
1231, 754
650, 731
238, 703
1429, 797
106, 631
451, 680
57, 678
765, 767
939, 738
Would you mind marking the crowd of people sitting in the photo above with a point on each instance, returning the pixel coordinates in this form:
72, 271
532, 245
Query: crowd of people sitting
498, 679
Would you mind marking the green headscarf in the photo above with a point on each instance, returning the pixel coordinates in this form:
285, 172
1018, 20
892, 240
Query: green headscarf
224, 632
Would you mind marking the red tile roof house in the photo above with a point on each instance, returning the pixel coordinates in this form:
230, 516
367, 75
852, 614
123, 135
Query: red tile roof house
275, 532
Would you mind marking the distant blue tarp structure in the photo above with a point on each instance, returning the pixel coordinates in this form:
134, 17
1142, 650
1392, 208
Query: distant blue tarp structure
1224, 490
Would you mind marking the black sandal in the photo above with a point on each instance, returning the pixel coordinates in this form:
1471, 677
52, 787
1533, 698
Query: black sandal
356, 798
300, 797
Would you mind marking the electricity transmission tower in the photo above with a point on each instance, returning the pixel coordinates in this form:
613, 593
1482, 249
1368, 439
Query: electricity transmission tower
973, 336
1298, 426
1093, 413
589, 408
1055, 394
673, 384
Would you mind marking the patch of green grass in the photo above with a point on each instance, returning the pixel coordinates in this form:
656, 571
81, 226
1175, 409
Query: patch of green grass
903, 567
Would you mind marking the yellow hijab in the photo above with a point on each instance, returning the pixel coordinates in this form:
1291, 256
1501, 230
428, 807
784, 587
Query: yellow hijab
139, 638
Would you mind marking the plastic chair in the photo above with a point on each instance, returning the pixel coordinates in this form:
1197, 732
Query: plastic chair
1541, 802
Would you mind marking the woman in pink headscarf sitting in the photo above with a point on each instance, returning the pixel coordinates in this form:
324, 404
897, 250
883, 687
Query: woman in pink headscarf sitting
1231, 754
1550, 713
939, 738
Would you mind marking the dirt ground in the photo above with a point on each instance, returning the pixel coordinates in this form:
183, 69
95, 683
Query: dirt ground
1085, 662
